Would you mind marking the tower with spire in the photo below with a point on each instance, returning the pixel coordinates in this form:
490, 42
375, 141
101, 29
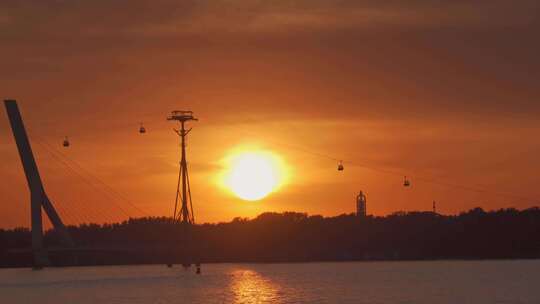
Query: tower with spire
361, 205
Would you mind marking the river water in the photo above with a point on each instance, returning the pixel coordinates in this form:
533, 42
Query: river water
357, 282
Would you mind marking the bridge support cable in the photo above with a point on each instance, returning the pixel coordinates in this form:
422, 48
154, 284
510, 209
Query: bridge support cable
93, 181
103, 214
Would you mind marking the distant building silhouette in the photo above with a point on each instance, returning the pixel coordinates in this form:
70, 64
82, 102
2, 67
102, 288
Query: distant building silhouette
361, 206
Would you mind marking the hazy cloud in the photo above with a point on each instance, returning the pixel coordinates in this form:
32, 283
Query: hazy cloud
58, 18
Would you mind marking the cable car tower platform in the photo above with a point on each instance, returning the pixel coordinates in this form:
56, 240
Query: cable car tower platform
183, 191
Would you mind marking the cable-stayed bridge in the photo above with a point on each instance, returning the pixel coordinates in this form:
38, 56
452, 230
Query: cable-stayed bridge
40, 201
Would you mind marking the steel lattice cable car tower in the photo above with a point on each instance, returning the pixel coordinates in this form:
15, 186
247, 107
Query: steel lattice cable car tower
183, 191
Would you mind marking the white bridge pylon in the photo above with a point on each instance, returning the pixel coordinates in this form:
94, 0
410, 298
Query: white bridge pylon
38, 197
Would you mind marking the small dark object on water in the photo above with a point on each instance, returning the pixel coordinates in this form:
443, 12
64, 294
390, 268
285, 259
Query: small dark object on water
406, 182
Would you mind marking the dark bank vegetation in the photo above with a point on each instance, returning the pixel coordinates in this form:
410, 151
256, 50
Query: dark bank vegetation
297, 237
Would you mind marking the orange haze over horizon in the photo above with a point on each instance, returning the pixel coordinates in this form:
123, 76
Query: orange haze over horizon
447, 93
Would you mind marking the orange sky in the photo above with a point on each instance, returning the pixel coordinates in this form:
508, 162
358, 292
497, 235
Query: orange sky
447, 91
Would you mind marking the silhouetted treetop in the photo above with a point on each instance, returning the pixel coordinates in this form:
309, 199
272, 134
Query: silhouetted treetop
293, 236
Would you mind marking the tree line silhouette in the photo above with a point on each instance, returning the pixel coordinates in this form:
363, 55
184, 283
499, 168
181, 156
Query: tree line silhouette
294, 237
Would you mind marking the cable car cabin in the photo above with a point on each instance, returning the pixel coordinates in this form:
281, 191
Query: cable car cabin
406, 182
66, 142
142, 130
340, 166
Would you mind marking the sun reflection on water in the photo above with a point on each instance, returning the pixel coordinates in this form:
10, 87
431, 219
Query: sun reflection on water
250, 287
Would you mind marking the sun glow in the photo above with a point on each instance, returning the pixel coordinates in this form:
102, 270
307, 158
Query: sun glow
252, 175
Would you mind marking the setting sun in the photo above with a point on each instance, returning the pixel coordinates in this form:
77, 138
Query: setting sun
253, 175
